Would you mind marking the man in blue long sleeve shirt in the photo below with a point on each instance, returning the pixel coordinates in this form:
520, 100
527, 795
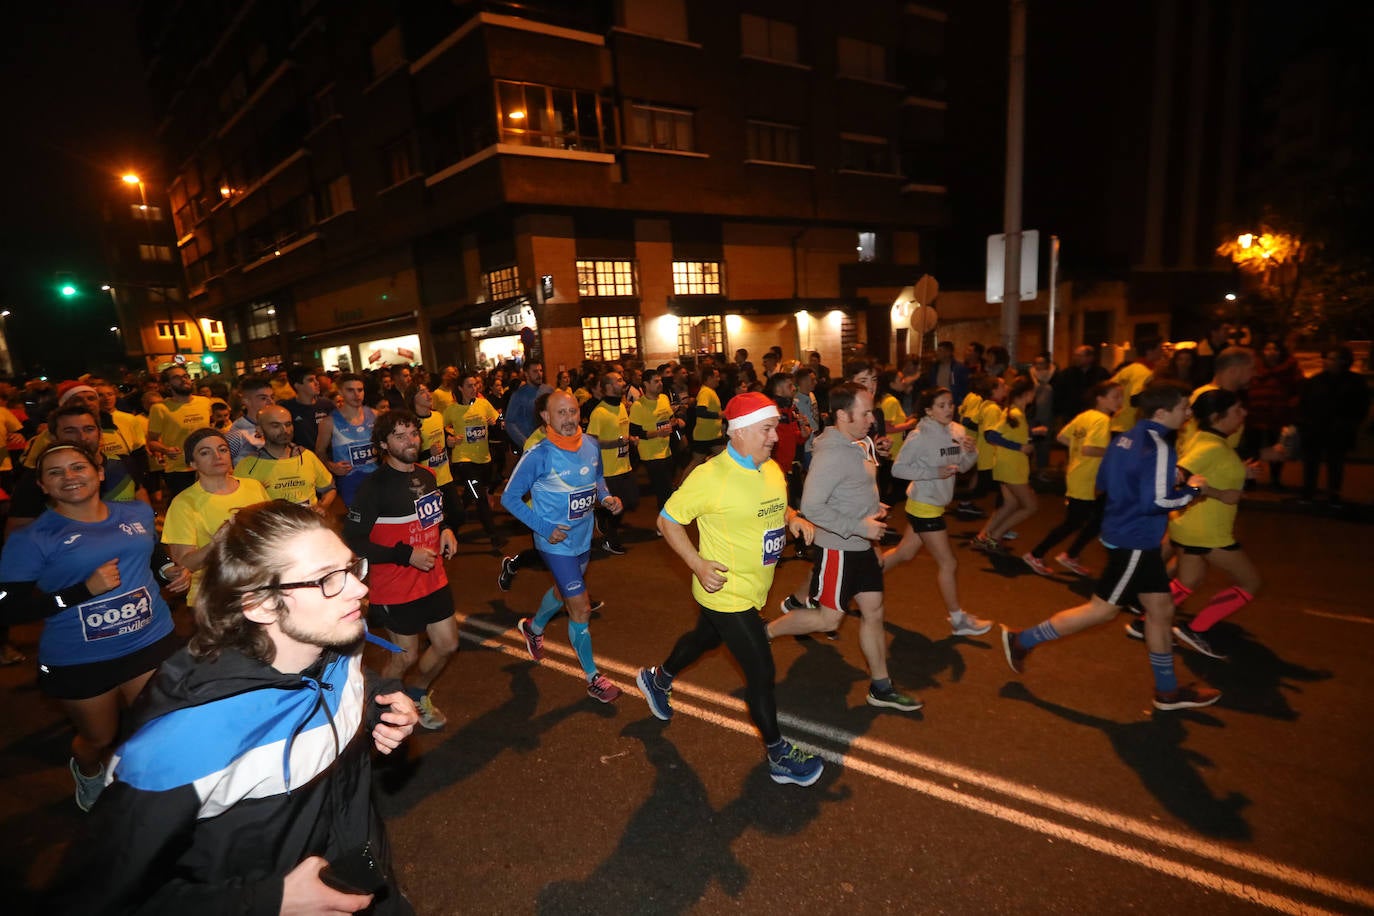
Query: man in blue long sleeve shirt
563, 478
1139, 474
521, 418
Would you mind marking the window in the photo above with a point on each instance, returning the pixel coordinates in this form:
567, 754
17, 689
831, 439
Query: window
534, 115
700, 334
388, 52
155, 252
605, 278
150, 213
661, 128
399, 161
610, 338
865, 154
214, 333
765, 142
771, 39
862, 60
262, 321
661, 18
503, 283
868, 246
696, 278
164, 332
337, 197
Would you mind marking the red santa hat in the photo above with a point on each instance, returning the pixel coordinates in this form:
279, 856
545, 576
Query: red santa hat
749, 408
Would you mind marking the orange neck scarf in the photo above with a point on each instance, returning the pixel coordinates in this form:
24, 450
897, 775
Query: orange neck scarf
566, 443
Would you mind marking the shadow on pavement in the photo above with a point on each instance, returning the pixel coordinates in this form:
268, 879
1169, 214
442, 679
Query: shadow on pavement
676, 845
1254, 679
1154, 749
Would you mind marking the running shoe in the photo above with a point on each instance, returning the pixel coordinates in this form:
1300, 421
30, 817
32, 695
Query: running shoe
1195, 641
88, 788
1136, 628
1036, 564
793, 765
602, 690
790, 604
1073, 566
534, 642
989, 546
506, 578
1016, 656
612, 547
1188, 696
892, 698
660, 699
595, 606
430, 716
964, 624
1010, 536
969, 510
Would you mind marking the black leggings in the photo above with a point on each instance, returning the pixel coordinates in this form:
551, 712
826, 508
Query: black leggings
1085, 517
747, 639
475, 479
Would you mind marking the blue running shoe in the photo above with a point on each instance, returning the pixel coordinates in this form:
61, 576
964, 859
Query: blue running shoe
660, 700
794, 765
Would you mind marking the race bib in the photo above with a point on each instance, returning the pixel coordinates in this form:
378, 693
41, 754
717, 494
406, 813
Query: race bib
474, 434
664, 424
361, 453
580, 502
624, 450
438, 461
774, 539
118, 615
429, 509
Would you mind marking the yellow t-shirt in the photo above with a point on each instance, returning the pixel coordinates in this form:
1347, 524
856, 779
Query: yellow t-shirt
893, 413
173, 422
1133, 377
969, 409
1190, 426
582, 395
440, 400
470, 422
657, 415
1091, 427
11, 425
707, 430
432, 432
989, 416
609, 425
741, 517
1012, 466
1209, 522
195, 515
296, 479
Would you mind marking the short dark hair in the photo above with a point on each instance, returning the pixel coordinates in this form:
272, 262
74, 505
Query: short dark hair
254, 383
931, 395
70, 409
346, 377
386, 425
842, 396
188, 448
1145, 343
776, 379
1232, 356
855, 366
59, 446
297, 374
1102, 389
165, 374
1159, 395
1211, 402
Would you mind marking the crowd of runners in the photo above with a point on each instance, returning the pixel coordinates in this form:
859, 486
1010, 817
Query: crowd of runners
316, 493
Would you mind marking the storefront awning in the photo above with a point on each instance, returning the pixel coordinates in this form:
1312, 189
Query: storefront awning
349, 329
478, 315
696, 306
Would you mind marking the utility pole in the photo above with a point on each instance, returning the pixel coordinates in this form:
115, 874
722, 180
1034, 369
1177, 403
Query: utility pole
1011, 207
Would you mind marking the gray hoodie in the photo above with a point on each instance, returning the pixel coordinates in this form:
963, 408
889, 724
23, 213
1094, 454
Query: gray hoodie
931, 447
841, 490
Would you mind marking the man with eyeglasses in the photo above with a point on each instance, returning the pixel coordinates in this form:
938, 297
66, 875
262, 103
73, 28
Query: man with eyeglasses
171, 421
249, 769
396, 521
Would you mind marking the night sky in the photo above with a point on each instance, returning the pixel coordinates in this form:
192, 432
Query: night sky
79, 117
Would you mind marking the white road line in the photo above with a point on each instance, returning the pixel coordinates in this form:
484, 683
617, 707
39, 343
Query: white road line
1348, 618
954, 772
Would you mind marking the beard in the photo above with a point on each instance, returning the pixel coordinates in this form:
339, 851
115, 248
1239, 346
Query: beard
342, 637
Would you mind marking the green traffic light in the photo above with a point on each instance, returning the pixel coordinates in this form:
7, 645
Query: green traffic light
207, 359
68, 290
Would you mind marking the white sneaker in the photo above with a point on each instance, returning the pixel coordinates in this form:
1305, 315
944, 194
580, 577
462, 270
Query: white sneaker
964, 624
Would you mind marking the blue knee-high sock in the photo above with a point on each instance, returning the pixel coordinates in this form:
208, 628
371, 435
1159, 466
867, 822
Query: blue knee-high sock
549, 605
1034, 636
581, 638
1163, 666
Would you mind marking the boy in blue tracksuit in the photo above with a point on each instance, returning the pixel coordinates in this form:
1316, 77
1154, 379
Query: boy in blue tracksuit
564, 480
1139, 474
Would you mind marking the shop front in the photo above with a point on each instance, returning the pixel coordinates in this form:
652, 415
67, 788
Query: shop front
392, 341
487, 334
798, 326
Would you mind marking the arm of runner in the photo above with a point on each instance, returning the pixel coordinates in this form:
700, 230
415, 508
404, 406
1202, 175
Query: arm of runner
708, 572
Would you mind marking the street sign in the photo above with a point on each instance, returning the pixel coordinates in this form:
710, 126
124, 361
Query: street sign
997, 265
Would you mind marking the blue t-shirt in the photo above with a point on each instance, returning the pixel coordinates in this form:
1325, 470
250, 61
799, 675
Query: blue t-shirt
353, 444
57, 552
564, 486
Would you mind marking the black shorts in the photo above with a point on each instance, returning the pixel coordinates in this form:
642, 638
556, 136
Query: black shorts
411, 617
1131, 573
82, 682
705, 446
925, 525
838, 575
1202, 551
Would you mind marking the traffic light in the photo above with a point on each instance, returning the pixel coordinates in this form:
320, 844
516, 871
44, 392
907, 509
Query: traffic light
66, 285
68, 290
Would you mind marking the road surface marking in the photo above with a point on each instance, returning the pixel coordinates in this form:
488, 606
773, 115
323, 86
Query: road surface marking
501, 638
1348, 618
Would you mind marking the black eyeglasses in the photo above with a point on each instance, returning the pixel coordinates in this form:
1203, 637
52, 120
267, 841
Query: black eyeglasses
331, 584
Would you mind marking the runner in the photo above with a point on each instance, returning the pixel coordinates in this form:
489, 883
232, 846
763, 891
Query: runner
1133, 377
1010, 438
255, 393
739, 501
651, 426
285, 470
471, 418
171, 422
344, 439
435, 442
609, 425
706, 438
308, 409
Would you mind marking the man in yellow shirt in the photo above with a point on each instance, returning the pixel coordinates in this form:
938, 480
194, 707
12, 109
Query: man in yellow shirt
470, 418
739, 501
171, 421
651, 426
609, 425
706, 441
1231, 371
1133, 377
285, 470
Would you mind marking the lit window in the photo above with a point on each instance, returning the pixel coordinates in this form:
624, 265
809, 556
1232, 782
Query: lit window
534, 115
155, 252
661, 128
610, 338
862, 60
696, 278
768, 38
149, 213
605, 278
164, 332
868, 246
700, 334
503, 283
765, 142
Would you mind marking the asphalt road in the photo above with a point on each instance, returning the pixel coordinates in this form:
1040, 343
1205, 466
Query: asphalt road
1060, 791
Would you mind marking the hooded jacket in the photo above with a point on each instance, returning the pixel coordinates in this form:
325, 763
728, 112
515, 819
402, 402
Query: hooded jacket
931, 447
1139, 475
235, 772
841, 490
